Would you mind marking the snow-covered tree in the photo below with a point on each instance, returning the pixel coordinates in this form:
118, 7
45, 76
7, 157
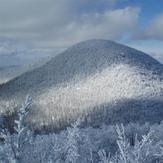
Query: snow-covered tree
143, 151
123, 144
72, 143
104, 158
16, 142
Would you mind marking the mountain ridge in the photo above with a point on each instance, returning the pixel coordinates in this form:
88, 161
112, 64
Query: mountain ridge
73, 59
86, 76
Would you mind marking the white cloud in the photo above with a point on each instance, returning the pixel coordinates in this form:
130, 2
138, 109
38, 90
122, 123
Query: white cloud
62, 22
154, 30
111, 24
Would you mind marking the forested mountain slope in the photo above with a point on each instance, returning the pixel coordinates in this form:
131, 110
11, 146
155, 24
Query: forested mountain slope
100, 79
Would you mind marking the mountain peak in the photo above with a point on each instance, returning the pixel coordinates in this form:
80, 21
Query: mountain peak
98, 53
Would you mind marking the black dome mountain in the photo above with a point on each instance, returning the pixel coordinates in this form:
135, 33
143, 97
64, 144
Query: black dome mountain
88, 69
82, 59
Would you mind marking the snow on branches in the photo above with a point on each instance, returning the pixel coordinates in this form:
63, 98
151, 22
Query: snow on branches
15, 142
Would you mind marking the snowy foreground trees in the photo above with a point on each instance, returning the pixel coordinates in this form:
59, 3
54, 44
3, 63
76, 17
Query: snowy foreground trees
132, 143
14, 143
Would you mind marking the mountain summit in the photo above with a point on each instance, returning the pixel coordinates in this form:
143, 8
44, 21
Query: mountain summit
100, 79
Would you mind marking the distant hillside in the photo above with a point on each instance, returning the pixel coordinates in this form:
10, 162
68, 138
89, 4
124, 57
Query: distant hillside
10, 72
100, 79
17, 58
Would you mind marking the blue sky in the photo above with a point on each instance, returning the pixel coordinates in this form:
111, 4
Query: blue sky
61, 23
149, 8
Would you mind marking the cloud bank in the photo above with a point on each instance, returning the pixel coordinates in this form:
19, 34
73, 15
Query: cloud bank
62, 23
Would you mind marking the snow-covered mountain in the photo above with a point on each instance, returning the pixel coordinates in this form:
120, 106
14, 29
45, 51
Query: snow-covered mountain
100, 79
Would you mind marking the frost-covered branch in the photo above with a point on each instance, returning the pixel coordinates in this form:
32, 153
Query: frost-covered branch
16, 141
72, 144
122, 143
